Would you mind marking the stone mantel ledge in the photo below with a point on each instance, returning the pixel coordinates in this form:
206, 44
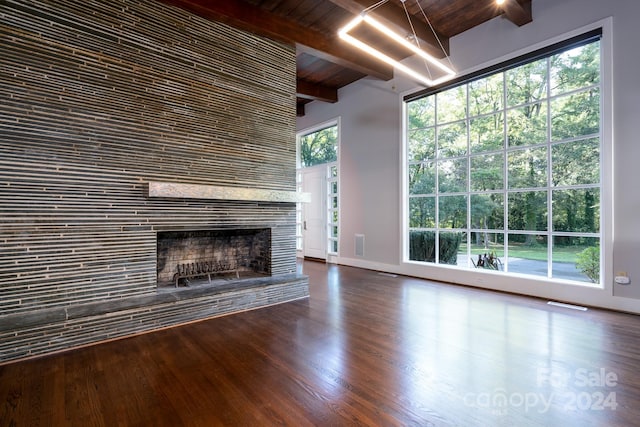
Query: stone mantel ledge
176, 190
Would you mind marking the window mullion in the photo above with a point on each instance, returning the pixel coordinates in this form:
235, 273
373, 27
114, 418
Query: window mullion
468, 120
550, 235
437, 182
505, 174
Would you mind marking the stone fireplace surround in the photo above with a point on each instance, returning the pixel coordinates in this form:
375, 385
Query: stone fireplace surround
77, 173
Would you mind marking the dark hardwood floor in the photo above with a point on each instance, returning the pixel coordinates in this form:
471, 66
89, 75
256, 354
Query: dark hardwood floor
364, 349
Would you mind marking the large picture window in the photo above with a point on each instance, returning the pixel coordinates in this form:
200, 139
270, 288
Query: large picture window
503, 168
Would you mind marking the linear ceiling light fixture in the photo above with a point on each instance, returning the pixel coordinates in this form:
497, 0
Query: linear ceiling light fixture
364, 17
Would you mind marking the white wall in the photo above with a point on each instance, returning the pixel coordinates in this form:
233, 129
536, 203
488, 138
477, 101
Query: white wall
371, 138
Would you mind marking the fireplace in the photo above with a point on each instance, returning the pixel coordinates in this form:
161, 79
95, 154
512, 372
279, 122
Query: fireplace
192, 257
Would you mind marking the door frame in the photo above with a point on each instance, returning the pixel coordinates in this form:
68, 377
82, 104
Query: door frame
328, 255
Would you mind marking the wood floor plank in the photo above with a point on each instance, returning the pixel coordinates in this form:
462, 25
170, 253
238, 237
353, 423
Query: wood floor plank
364, 349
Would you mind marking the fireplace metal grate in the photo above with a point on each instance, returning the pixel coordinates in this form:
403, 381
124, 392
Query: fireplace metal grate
189, 270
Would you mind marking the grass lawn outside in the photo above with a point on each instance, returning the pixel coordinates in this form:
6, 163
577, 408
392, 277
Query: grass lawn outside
539, 253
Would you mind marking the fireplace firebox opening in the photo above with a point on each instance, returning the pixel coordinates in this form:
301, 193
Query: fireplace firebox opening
190, 257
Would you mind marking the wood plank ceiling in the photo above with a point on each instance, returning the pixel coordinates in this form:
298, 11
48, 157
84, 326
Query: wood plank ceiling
325, 63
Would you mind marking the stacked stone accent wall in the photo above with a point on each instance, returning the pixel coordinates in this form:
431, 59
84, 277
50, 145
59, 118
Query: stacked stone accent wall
97, 99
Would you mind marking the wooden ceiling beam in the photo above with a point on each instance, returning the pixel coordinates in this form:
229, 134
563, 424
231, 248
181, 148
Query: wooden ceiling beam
395, 18
348, 57
316, 92
518, 13
300, 110
250, 18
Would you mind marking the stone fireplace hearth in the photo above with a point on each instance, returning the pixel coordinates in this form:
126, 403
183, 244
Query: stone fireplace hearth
188, 257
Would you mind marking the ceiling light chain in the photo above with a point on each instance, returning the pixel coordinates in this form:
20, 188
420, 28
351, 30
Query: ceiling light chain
374, 6
413, 30
416, 40
434, 32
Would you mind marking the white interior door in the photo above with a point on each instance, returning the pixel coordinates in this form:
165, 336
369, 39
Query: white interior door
314, 221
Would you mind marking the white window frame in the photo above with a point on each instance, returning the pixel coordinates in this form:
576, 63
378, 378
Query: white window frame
475, 276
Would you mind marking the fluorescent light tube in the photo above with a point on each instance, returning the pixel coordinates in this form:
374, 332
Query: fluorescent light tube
343, 34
